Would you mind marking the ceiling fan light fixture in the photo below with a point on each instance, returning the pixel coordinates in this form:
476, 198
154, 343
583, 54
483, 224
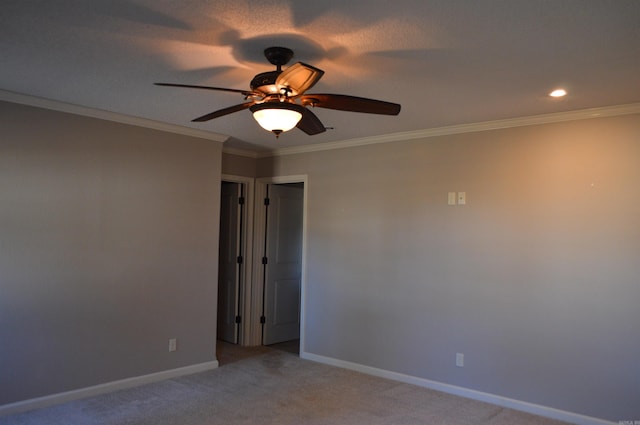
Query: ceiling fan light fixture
277, 117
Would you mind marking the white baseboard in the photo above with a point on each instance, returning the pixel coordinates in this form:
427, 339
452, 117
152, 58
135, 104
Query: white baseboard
49, 400
523, 406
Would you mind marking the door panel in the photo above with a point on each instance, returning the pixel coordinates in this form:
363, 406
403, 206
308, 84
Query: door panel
288, 225
228, 270
283, 271
286, 297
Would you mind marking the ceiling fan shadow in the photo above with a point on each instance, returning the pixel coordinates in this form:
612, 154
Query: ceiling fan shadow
131, 11
252, 49
305, 13
204, 74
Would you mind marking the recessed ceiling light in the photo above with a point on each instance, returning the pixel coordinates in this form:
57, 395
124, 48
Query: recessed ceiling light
558, 93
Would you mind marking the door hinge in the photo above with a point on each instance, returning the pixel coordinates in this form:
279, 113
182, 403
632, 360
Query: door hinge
265, 260
238, 319
266, 201
240, 259
263, 320
241, 200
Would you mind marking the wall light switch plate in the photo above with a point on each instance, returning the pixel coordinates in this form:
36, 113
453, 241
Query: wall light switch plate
451, 200
459, 359
462, 198
173, 344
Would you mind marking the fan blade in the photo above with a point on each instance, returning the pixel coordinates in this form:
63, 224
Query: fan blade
351, 103
310, 123
244, 92
225, 111
298, 78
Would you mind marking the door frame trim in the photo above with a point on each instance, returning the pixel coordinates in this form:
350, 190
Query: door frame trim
258, 235
247, 266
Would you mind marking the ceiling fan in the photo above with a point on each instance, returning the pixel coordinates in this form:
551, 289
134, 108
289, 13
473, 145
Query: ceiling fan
278, 99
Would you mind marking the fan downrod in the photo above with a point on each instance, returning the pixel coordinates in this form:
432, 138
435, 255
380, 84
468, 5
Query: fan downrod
278, 56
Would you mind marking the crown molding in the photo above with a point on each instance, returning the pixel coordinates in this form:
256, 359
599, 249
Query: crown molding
70, 108
600, 112
606, 111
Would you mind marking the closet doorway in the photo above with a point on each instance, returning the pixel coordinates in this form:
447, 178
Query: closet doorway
234, 259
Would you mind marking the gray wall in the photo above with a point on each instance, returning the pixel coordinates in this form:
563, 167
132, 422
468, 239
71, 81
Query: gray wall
237, 165
536, 280
108, 248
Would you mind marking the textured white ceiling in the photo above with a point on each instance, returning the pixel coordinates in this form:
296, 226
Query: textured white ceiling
446, 61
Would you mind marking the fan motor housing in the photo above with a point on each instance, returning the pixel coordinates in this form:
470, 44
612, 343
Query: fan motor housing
265, 82
278, 56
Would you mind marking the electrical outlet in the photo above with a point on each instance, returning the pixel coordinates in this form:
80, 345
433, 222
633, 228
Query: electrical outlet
459, 359
173, 344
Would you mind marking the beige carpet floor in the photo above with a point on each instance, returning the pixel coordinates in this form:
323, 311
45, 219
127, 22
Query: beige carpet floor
270, 386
